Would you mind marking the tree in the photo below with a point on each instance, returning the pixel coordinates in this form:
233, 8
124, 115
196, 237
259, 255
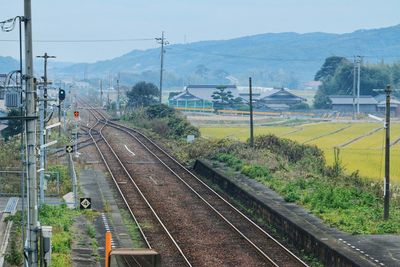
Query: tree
143, 94
222, 97
14, 126
329, 68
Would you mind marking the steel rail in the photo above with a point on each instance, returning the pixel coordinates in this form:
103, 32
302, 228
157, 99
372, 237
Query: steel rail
259, 250
118, 187
129, 131
205, 185
139, 191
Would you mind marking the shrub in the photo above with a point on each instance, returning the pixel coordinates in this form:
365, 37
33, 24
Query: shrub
292, 150
254, 171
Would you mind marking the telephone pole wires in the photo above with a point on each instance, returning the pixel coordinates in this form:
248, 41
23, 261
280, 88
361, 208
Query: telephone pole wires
163, 42
30, 91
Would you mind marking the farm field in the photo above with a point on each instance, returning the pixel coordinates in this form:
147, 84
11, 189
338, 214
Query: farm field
365, 153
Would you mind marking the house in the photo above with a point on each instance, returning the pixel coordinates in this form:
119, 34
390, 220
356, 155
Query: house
344, 103
278, 99
367, 103
381, 106
198, 96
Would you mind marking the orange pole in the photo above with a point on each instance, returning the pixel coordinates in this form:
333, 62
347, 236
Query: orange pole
107, 249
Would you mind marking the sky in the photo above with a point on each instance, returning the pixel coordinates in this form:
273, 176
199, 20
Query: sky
183, 21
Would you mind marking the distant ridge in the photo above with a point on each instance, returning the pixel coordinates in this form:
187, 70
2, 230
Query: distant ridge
272, 59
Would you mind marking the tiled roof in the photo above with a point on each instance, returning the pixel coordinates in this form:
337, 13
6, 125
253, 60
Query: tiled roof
205, 91
347, 100
185, 95
268, 95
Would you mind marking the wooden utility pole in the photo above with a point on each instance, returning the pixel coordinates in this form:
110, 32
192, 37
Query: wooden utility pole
388, 91
251, 114
163, 42
30, 91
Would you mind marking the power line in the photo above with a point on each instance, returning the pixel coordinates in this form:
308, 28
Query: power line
84, 40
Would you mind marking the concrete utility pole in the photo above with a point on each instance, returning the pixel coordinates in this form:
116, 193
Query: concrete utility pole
251, 113
45, 97
42, 141
101, 93
163, 42
354, 88
358, 61
117, 104
45, 57
30, 91
388, 91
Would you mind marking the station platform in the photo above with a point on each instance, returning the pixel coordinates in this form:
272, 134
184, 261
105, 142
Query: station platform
363, 250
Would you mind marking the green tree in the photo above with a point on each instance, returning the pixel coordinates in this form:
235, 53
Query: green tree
222, 97
329, 68
14, 126
159, 111
142, 94
337, 79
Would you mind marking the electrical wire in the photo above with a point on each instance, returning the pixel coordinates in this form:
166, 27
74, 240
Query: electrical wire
8, 25
85, 40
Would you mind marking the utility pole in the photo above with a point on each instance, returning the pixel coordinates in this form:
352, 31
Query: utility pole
45, 57
30, 91
388, 91
354, 88
41, 143
45, 97
101, 93
163, 42
117, 104
358, 61
251, 114
386, 186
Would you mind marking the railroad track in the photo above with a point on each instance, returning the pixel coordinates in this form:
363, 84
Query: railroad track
234, 239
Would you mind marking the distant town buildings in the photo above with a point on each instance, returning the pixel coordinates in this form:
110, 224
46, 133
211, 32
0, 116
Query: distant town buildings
200, 96
367, 103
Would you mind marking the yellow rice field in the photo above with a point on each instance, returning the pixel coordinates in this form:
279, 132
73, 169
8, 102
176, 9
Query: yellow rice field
365, 154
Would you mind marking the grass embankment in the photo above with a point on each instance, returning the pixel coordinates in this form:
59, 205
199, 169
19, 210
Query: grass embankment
59, 217
365, 155
298, 172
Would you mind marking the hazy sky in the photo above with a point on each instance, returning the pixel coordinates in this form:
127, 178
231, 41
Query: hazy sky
182, 20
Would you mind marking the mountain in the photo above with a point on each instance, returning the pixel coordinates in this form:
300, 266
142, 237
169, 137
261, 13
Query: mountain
8, 64
272, 59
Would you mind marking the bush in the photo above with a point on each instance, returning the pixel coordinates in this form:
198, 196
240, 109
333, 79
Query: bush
162, 120
300, 106
291, 150
254, 171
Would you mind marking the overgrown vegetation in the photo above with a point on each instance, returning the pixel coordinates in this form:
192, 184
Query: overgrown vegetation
298, 172
14, 126
61, 219
162, 120
65, 179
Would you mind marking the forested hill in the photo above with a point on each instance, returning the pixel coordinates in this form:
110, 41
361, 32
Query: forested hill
8, 64
273, 59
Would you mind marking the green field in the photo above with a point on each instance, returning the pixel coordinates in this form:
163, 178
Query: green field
365, 154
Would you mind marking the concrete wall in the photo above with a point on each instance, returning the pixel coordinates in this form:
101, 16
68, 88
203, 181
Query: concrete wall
294, 228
